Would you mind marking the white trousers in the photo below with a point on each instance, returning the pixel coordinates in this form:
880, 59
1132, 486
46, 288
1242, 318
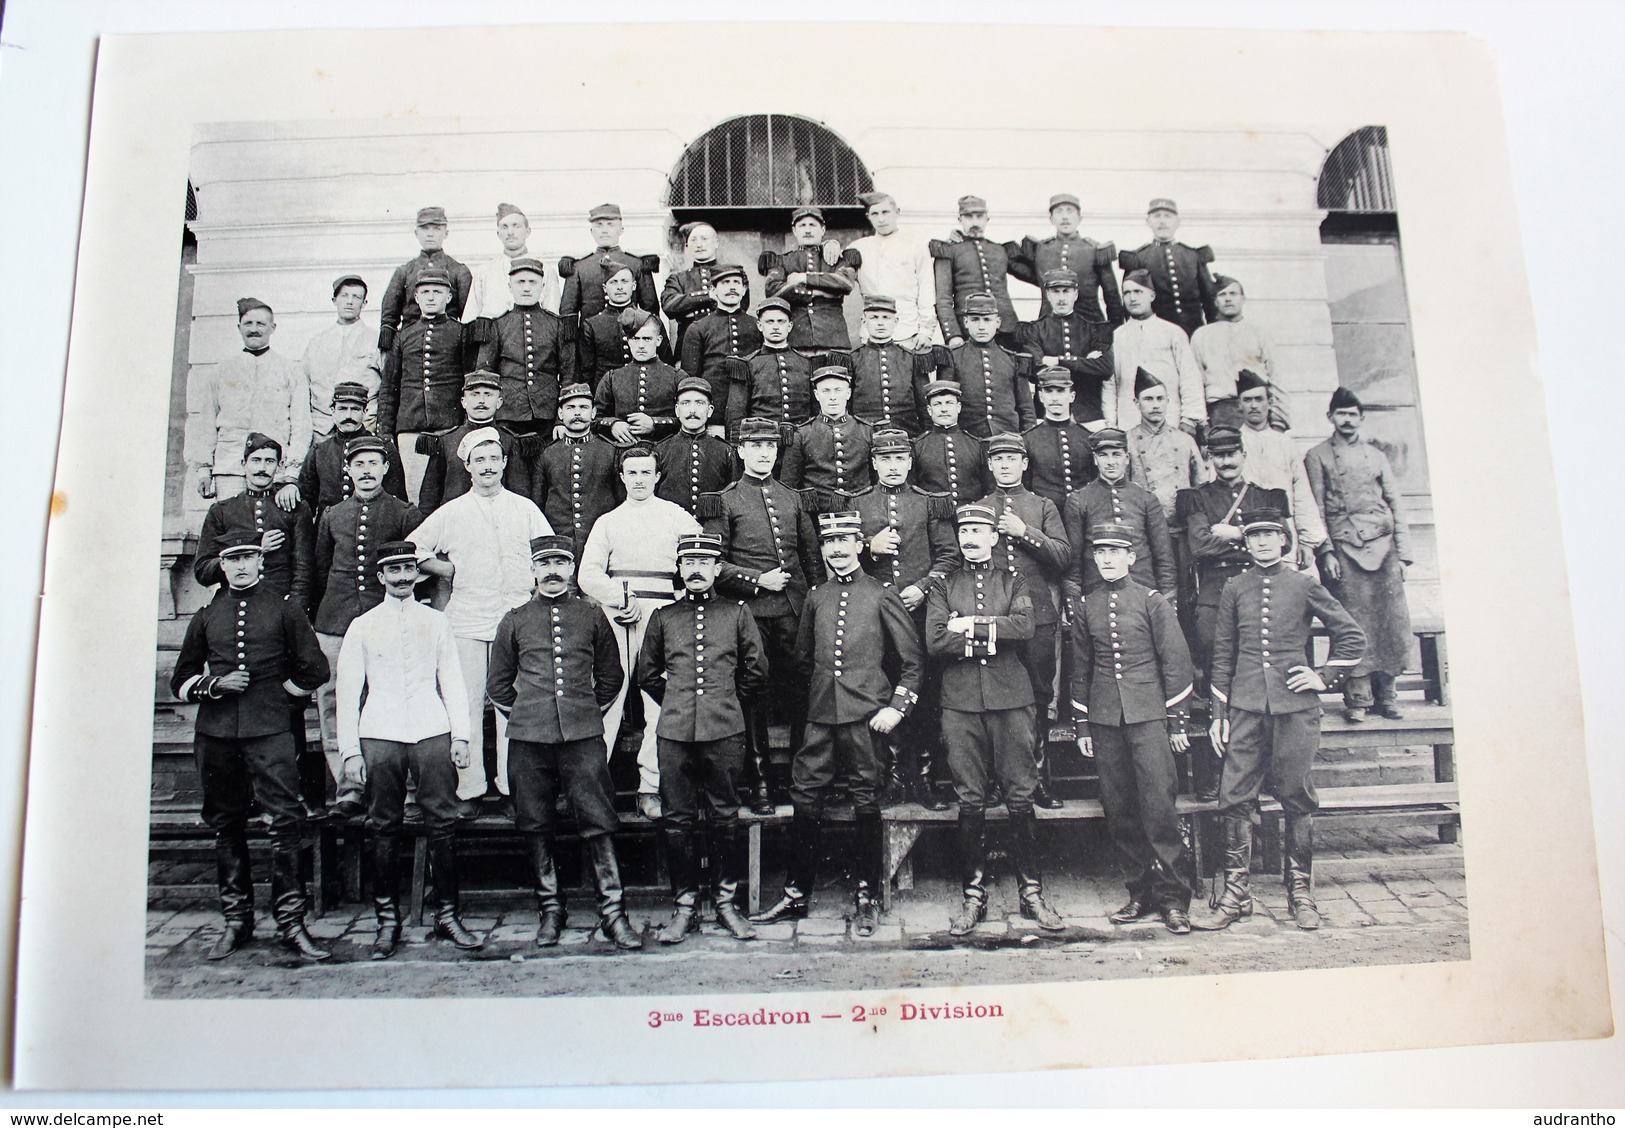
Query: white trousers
475, 654
631, 641
413, 464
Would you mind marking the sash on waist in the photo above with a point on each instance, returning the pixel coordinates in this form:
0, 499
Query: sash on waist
646, 590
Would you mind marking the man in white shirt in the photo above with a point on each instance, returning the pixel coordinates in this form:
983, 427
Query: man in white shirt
1162, 349
1226, 346
900, 267
629, 565
481, 542
346, 352
1275, 462
489, 295
403, 711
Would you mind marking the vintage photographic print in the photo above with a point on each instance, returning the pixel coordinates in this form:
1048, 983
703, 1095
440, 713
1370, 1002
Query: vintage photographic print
803, 560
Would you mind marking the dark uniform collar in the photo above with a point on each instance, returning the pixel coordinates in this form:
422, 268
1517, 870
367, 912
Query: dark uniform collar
941, 430
269, 491
436, 319
1117, 585
978, 566
834, 420
749, 479
613, 249
559, 598
251, 590
1270, 571
1011, 491
706, 596
1119, 484
894, 490
577, 440
257, 352
850, 578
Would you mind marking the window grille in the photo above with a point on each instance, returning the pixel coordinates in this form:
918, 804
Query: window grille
768, 160
191, 202
1357, 176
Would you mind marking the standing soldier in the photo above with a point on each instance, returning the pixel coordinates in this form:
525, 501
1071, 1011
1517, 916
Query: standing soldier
888, 379
555, 668
1090, 262
1274, 462
686, 296
575, 480
403, 711
1266, 712
996, 384
402, 306
1111, 497
852, 630
946, 459
693, 461
814, 277
1131, 688
1057, 446
1065, 338
285, 534
323, 482
699, 681
910, 547
830, 451
970, 264
244, 654
635, 402
1145, 341
775, 381
583, 294
1032, 544
530, 350
1228, 344
1359, 494
1161, 458
490, 297
423, 376
345, 352
987, 715
727, 332
445, 477
769, 559
1179, 274
901, 266
349, 539
601, 347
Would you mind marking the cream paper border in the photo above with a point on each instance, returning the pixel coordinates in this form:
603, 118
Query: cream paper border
82, 1020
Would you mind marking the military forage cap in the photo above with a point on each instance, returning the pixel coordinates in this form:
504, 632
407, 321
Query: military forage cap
1342, 397
1263, 520
428, 216
574, 391
1161, 203
1144, 379
981, 302
477, 437
974, 514
1060, 276
605, 211
552, 545
934, 388
830, 372
770, 303
1222, 282
879, 302
257, 441
699, 544
1247, 380
1112, 533
239, 542
890, 441
1223, 440
348, 391
694, 384
244, 305
757, 430
433, 276
344, 280
840, 524
1006, 443
969, 204
365, 444
481, 378
727, 270
1060, 198
505, 210
533, 265
1054, 377
391, 551
1140, 278
804, 211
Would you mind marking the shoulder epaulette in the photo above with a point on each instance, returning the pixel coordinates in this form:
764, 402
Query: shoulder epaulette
709, 505
1204, 254
1129, 260
768, 260
1105, 254
851, 257
939, 249
939, 506
567, 266
427, 441
650, 263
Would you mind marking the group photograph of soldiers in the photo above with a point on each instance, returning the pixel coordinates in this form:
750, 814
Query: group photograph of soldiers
678, 599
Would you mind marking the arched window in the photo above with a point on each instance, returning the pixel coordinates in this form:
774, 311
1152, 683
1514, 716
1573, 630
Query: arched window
1357, 176
767, 161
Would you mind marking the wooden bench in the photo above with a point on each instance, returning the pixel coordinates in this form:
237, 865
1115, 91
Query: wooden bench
185, 825
1426, 803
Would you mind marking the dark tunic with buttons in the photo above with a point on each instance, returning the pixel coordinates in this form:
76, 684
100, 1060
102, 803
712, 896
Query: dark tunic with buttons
996, 390
764, 525
583, 294
817, 320
649, 387
1084, 349
446, 475
1215, 503
927, 547
555, 667
984, 671
1091, 261
574, 482
288, 571
949, 461
1183, 284
967, 267
400, 306
323, 482
888, 385
422, 384
601, 347
691, 465
1126, 503
254, 630
1060, 460
1265, 619
347, 541
686, 297
1040, 556
849, 628
701, 655
529, 348
1130, 663
714, 339
830, 454
771, 384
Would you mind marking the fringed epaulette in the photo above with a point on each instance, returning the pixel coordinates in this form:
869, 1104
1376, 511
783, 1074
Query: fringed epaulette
1105, 254
708, 507
427, 442
816, 501
767, 261
651, 263
939, 506
567, 266
1128, 260
1204, 254
939, 249
1012, 250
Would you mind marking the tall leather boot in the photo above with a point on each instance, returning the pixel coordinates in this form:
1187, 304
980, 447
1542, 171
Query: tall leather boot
1300, 861
727, 863
288, 903
606, 877
1029, 875
800, 874
448, 925
866, 897
756, 748
236, 892
926, 793
1043, 795
972, 834
384, 857
1236, 901
550, 913
685, 886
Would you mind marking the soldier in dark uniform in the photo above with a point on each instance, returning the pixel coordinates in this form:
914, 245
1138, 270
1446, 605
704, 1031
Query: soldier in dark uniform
576, 480
531, 350
686, 296
1266, 711
693, 461
400, 306
770, 559
555, 667
775, 381
1057, 447
1033, 544
1179, 274
1111, 497
1131, 688
635, 401
852, 629
814, 277
946, 459
987, 715
971, 264
601, 347
348, 537
583, 294
287, 569
909, 545
244, 655
1090, 262
888, 381
322, 480
422, 382
1069, 339
830, 451
996, 384
701, 656
446, 476
723, 334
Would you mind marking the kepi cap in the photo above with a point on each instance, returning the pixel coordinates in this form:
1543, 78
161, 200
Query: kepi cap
969, 204
348, 391
1060, 198
880, 302
391, 551
240, 542
699, 544
1263, 521
771, 303
365, 444
831, 372
890, 441
344, 280
1223, 440
694, 384
1106, 438
604, 211
1005, 443
533, 265
804, 211
1053, 377
981, 302
936, 388
431, 217
1111, 533
726, 270
757, 430
433, 276
1060, 276
482, 378
552, 545
840, 524
974, 514
575, 391
1162, 203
